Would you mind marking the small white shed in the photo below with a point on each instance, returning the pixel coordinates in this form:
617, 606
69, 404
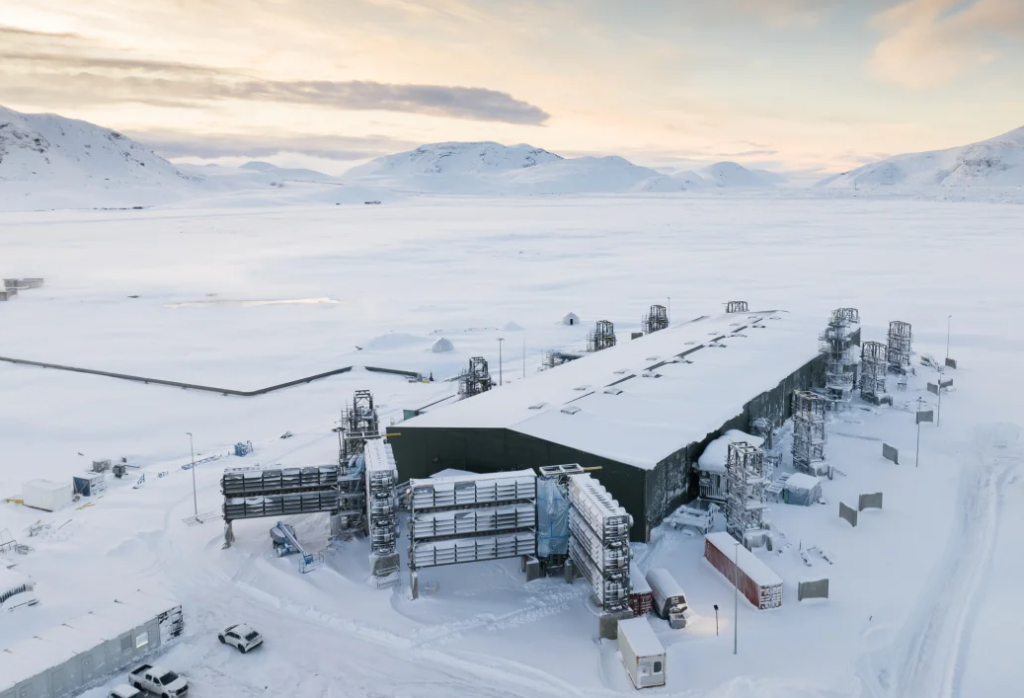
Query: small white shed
442, 346
46, 494
570, 319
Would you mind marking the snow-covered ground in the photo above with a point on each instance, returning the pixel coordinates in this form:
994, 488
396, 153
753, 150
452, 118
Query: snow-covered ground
923, 592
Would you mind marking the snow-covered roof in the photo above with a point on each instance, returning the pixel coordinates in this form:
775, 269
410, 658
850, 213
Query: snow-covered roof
56, 645
450, 472
46, 485
717, 452
442, 345
641, 637
570, 317
801, 481
761, 573
645, 418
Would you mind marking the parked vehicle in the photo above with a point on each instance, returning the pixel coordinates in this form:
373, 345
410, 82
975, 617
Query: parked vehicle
158, 680
241, 637
642, 653
125, 691
669, 599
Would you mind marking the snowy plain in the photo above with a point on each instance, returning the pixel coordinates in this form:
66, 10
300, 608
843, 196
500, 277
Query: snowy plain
923, 592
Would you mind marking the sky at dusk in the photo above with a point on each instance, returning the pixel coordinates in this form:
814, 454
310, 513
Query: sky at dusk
792, 85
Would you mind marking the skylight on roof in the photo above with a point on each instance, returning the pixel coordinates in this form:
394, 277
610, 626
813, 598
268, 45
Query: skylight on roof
622, 372
613, 391
570, 409
582, 387
538, 405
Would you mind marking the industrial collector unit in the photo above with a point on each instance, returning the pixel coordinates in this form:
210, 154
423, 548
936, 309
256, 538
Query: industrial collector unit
755, 580
599, 542
70, 658
469, 518
381, 507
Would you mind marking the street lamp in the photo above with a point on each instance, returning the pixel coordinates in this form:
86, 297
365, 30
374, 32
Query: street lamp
716, 620
195, 500
501, 380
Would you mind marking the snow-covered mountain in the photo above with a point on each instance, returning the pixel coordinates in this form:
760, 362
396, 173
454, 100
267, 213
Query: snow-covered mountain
47, 147
996, 162
733, 175
492, 168
299, 173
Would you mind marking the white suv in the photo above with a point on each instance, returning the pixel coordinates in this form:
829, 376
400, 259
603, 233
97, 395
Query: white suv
241, 637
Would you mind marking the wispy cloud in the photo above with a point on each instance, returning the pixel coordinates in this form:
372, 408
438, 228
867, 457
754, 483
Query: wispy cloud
53, 78
930, 42
176, 143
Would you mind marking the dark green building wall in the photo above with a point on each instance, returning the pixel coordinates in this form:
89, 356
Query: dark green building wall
649, 495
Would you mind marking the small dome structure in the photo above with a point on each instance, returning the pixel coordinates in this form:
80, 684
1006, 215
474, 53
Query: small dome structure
570, 319
442, 346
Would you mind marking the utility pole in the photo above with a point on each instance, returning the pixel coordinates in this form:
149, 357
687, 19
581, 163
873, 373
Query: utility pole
524, 357
716, 620
736, 602
670, 310
917, 449
949, 321
195, 499
501, 380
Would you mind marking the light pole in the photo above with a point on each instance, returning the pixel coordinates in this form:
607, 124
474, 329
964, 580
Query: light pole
736, 602
524, 357
949, 324
917, 449
501, 379
669, 309
716, 620
192, 450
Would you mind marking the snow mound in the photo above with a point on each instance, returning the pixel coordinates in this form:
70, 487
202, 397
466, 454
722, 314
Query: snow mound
394, 340
996, 162
734, 175
442, 346
285, 172
717, 452
512, 327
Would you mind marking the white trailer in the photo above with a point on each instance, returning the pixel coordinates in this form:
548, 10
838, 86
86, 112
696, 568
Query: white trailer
669, 599
642, 653
46, 494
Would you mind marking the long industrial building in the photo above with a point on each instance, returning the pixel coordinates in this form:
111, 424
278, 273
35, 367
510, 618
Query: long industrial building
642, 411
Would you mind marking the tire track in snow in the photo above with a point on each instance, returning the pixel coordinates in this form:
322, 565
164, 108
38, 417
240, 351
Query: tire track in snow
933, 656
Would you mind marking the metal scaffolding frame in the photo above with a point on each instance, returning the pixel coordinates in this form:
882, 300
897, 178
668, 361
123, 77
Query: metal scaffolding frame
746, 481
655, 319
899, 347
602, 336
873, 369
808, 431
836, 343
736, 307
359, 423
476, 379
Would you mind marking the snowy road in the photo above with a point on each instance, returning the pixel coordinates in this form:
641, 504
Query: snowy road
928, 659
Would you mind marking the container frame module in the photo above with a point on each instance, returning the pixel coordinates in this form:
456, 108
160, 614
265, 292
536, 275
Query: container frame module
599, 542
256, 492
381, 506
471, 518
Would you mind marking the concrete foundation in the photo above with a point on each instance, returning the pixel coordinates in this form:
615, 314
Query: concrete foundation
608, 624
383, 565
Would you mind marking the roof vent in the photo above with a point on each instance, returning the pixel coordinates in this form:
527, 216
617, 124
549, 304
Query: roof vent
691, 342
538, 405
651, 374
651, 358
582, 387
613, 391
734, 324
570, 409
622, 372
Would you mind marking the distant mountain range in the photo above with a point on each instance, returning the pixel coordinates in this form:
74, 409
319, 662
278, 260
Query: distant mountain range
48, 161
996, 162
493, 168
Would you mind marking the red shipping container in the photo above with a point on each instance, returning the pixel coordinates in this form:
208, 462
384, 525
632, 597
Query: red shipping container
755, 580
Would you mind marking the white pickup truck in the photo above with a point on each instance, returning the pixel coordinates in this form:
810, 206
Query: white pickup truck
159, 681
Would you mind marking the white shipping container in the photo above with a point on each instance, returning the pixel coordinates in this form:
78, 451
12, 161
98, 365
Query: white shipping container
46, 494
642, 653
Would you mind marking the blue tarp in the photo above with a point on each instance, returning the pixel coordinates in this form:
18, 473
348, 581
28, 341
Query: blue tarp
552, 519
